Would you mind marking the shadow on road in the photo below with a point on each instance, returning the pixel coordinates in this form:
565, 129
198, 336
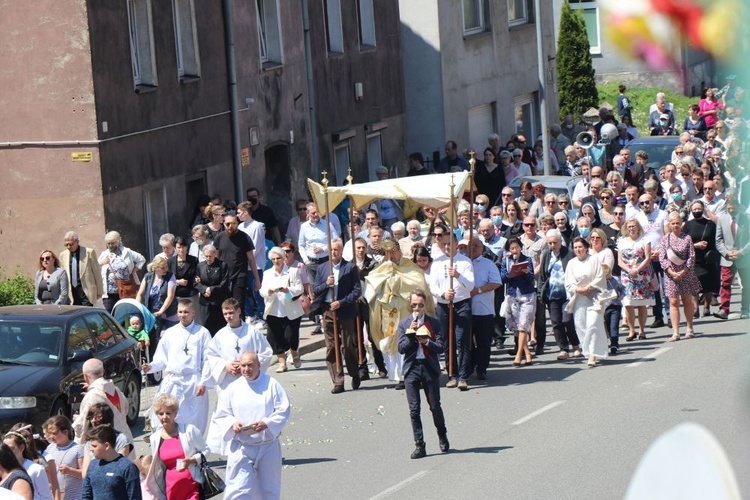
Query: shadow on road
305, 461
482, 449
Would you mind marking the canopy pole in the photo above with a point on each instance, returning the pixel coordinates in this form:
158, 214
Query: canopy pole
334, 315
451, 333
472, 163
360, 332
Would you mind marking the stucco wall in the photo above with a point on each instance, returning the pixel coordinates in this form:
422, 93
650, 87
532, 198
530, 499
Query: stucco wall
47, 96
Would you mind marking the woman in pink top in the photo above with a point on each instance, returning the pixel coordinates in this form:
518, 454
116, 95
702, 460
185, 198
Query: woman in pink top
709, 108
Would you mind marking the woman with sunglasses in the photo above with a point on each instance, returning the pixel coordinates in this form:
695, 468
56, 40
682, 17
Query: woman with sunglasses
607, 211
51, 282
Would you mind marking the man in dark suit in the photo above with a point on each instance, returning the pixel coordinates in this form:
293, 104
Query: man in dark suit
422, 369
336, 292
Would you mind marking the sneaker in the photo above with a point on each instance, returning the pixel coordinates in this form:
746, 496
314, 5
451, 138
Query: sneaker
721, 314
452, 383
613, 350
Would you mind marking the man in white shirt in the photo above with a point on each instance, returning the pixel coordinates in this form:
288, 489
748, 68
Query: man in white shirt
582, 188
313, 240
454, 283
486, 281
671, 173
180, 355
715, 206
631, 207
652, 221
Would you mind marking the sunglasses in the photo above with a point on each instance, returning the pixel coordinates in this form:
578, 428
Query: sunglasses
606, 197
230, 224
619, 214
596, 176
643, 203
46, 257
507, 194
417, 305
528, 224
549, 202
301, 209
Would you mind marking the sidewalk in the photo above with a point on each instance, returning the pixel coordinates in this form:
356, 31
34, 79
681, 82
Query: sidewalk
307, 341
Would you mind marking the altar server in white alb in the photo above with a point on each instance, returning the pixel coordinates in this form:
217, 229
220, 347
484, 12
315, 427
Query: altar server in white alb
223, 357
249, 417
180, 354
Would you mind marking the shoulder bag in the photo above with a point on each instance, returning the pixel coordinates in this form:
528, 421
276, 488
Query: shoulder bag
126, 289
212, 482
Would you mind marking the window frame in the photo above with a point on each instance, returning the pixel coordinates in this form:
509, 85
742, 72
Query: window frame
371, 169
332, 8
586, 5
270, 46
190, 59
370, 42
152, 234
519, 21
336, 167
481, 26
142, 53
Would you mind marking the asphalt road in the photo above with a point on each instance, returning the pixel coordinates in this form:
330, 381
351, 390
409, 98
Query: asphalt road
553, 430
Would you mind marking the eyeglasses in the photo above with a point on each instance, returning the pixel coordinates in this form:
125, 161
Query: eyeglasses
419, 305
437, 235
230, 224
45, 257
301, 209
507, 194
678, 152
606, 197
528, 224
549, 202
563, 202
596, 176
643, 203
619, 214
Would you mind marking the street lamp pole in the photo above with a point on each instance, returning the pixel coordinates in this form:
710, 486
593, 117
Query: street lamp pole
542, 88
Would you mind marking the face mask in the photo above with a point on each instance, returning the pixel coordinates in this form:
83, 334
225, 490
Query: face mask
414, 236
676, 196
584, 232
663, 123
698, 214
497, 220
480, 208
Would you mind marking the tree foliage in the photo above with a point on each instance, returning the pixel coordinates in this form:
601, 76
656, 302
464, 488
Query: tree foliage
575, 72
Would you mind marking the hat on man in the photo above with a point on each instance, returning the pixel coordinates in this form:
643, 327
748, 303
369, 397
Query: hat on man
664, 116
381, 170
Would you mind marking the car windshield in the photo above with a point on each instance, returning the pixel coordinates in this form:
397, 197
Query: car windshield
27, 343
659, 153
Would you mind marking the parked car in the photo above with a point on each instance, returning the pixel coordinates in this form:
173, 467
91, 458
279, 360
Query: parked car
555, 184
42, 351
659, 149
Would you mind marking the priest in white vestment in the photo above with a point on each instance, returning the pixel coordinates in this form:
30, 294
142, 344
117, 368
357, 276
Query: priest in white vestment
223, 357
250, 414
181, 354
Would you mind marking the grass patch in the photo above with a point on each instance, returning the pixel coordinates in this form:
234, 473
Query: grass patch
641, 99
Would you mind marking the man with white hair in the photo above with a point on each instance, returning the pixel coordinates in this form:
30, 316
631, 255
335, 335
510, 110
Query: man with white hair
81, 265
101, 390
655, 113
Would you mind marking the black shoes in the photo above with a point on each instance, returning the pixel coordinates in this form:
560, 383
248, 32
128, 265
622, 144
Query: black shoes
658, 323
444, 445
383, 374
400, 386
356, 382
613, 350
419, 451
337, 389
364, 375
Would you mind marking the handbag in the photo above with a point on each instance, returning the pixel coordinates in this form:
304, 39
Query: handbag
711, 256
126, 289
212, 482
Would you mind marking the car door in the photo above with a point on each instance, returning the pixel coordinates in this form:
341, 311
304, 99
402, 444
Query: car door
105, 346
79, 339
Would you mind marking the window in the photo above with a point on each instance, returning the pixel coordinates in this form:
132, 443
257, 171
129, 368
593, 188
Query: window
103, 335
269, 31
476, 16
590, 11
366, 20
186, 39
526, 116
341, 163
155, 212
518, 12
481, 125
79, 338
142, 43
374, 155
334, 29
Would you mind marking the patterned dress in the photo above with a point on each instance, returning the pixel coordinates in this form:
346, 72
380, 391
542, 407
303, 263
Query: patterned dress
637, 290
677, 253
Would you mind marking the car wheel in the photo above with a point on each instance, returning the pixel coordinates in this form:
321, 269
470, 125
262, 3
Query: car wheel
155, 378
60, 408
133, 393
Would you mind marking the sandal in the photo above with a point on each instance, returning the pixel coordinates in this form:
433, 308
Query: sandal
563, 356
690, 334
532, 343
577, 353
674, 338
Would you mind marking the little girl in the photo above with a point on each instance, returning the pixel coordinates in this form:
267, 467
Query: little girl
68, 455
144, 464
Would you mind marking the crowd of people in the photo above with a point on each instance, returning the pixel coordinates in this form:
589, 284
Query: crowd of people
400, 293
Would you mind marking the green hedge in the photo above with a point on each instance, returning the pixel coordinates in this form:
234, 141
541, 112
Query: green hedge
16, 290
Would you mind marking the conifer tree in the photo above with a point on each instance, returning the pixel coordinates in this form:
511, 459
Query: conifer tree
575, 72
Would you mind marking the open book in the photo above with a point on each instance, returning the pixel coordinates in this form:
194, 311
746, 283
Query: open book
518, 269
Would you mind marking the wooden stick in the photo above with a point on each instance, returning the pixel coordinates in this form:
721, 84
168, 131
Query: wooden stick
360, 348
451, 332
334, 315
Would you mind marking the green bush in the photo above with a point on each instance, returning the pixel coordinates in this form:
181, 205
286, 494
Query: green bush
16, 290
575, 71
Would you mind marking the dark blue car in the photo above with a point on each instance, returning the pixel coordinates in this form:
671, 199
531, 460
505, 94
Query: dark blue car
42, 350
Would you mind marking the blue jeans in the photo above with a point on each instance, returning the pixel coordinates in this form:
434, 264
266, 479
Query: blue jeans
254, 305
612, 318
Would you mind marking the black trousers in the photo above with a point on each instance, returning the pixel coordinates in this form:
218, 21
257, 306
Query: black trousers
564, 331
238, 284
421, 377
282, 334
482, 328
499, 321
540, 325
79, 297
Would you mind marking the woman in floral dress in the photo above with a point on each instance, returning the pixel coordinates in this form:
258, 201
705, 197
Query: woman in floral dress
633, 253
677, 258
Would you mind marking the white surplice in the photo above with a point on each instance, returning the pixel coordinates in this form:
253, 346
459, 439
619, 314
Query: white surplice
254, 458
181, 355
589, 321
228, 345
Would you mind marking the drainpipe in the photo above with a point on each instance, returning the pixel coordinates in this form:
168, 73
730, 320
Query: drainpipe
310, 90
541, 75
233, 107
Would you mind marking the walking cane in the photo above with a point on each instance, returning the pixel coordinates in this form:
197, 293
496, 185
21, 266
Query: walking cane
334, 315
451, 333
147, 424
